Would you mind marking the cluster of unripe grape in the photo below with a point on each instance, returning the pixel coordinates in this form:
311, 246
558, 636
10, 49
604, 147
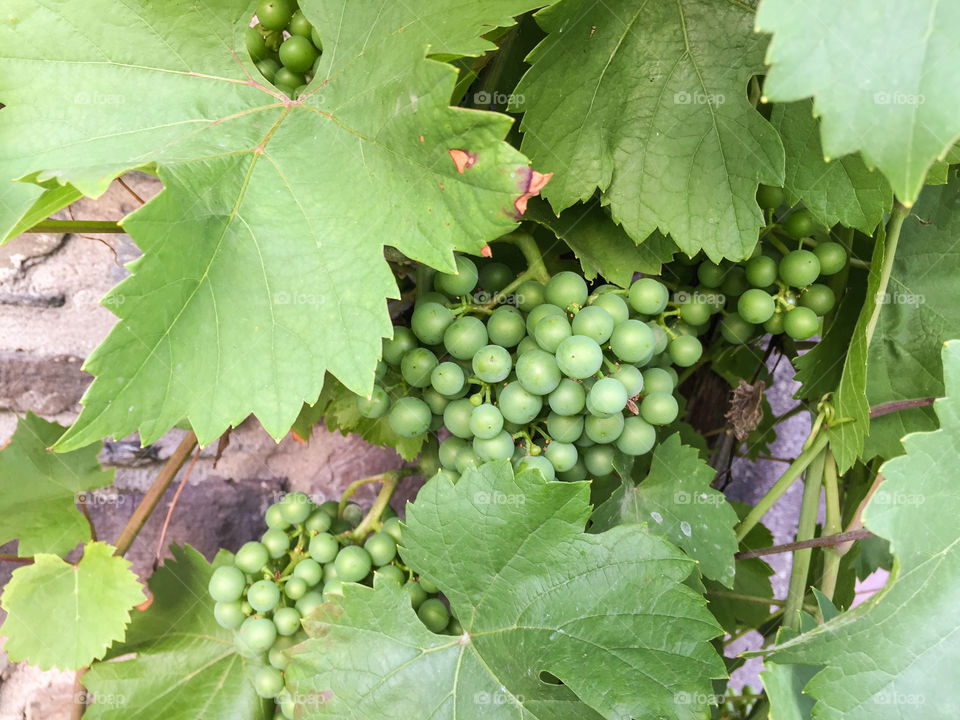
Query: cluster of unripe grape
549, 375
284, 45
306, 555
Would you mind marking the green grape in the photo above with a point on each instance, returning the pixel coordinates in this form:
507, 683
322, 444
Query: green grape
615, 306
818, 298
563, 456
606, 397
275, 14
632, 341
529, 294
323, 547
506, 326
258, 633
268, 681
832, 257
435, 401
657, 380
799, 268
603, 430
499, 447
565, 289
447, 378
495, 276
577, 473
769, 197
309, 602
274, 518
416, 593
761, 271
297, 54
800, 224
318, 521
381, 548
540, 313
431, 297
631, 379
736, 330
568, 398
711, 274
229, 615
580, 357
295, 588
256, 45
352, 513
492, 363
467, 458
330, 570
659, 408
454, 627
317, 40
251, 558
392, 527
456, 417
462, 282
464, 337
374, 406
395, 348
287, 80
537, 372
695, 310
583, 442
287, 619
756, 306
551, 331
734, 284
517, 405
429, 321
660, 338
353, 564
594, 322
276, 542
598, 460
448, 451
299, 25
389, 574
685, 350
433, 613
263, 595
331, 508
268, 68
486, 421
308, 570
296, 507
526, 345
801, 323
638, 437
417, 366
410, 417
774, 325
537, 462
564, 428
648, 296
276, 656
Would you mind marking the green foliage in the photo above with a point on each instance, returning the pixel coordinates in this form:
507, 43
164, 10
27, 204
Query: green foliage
65, 616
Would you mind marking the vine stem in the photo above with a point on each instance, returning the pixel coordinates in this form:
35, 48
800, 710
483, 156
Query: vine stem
781, 486
356, 485
897, 405
727, 595
372, 518
6, 557
832, 525
856, 524
531, 253
900, 213
807, 526
173, 505
823, 541
77, 226
157, 489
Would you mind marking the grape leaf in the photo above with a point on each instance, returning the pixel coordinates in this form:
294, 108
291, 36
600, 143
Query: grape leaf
64, 616
534, 594
184, 666
899, 109
602, 247
784, 684
676, 495
39, 488
263, 258
648, 102
919, 312
842, 191
895, 655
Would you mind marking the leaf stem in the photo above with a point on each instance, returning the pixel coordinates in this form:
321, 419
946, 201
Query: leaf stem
897, 405
727, 595
77, 226
832, 525
372, 518
900, 213
356, 485
806, 528
157, 489
531, 253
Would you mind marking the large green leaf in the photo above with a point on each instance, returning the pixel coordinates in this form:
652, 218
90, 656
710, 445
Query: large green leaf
920, 311
64, 616
263, 258
882, 74
647, 101
841, 191
534, 594
676, 502
896, 655
39, 488
176, 663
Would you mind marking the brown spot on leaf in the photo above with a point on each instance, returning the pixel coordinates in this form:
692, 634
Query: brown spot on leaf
462, 159
146, 603
421, 138
485, 251
746, 408
531, 185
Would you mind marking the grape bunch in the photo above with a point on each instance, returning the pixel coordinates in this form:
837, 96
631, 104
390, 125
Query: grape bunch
285, 47
305, 555
552, 376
